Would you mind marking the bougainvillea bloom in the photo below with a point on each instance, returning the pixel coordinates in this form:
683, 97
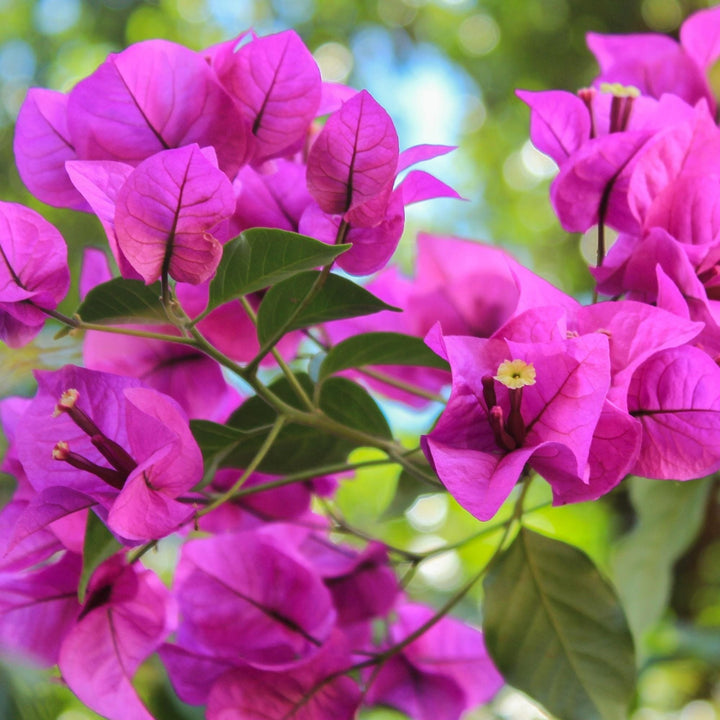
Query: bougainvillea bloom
127, 450
490, 430
33, 272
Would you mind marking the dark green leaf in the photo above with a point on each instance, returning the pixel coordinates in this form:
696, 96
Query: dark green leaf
351, 405
123, 301
669, 517
214, 438
556, 630
100, 544
338, 298
261, 257
380, 348
296, 448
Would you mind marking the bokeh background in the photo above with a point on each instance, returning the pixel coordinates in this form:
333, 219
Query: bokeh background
446, 70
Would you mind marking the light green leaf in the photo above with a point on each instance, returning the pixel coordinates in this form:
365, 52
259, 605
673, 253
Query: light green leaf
556, 630
100, 544
380, 348
338, 298
121, 301
669, 517
260, 257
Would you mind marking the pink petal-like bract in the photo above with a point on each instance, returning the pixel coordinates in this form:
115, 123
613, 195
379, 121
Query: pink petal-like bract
126, 617
99, 182
559, 122
300, 694
42, 145
34, 272
354, 158
166, 211
269, 610
676, 397
153, 96
276, 84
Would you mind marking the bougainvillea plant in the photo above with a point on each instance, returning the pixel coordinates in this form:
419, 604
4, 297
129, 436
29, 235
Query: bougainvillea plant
229, 372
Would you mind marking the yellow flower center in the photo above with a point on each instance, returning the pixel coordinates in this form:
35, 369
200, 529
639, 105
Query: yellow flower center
515, 374
619, 90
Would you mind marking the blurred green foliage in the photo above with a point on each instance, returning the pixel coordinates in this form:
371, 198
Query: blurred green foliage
449, 67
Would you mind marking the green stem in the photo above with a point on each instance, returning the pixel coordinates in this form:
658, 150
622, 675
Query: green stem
113, 329
401, 385
309, 475
439, 615
249, 470
287, 372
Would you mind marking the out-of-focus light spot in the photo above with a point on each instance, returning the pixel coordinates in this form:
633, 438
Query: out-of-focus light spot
147, 23
74, 715
231, 13
511, 705
191, 11
648, 714
455, 4
475, 113
662, 15
428, 513
335, 61
549, 15
12, 97
53, 17
294, 11
396, 13
537, 163
443, 571
698, 710
17, 62
74, 62
589, 243
479, 34
516, 174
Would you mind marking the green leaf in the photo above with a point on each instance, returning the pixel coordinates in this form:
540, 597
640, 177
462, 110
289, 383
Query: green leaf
380, 348
261, 257
556, 630
348, 403
670, 515
296, 448
121, 301
214, 438
100, 544
338, 298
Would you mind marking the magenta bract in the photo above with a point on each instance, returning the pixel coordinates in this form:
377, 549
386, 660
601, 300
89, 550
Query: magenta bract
33, 272
166, 211
153, 96
276, 85
354, 158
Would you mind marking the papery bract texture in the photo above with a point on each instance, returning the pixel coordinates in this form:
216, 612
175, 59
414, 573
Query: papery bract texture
268, 610
303, 693
354, 158
555, 423
153, 96
43, 145
38, 608
676, 397
34, 272
166, 211
276, 84
127, 615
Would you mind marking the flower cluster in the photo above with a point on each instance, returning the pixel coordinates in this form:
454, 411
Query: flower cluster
176, 153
